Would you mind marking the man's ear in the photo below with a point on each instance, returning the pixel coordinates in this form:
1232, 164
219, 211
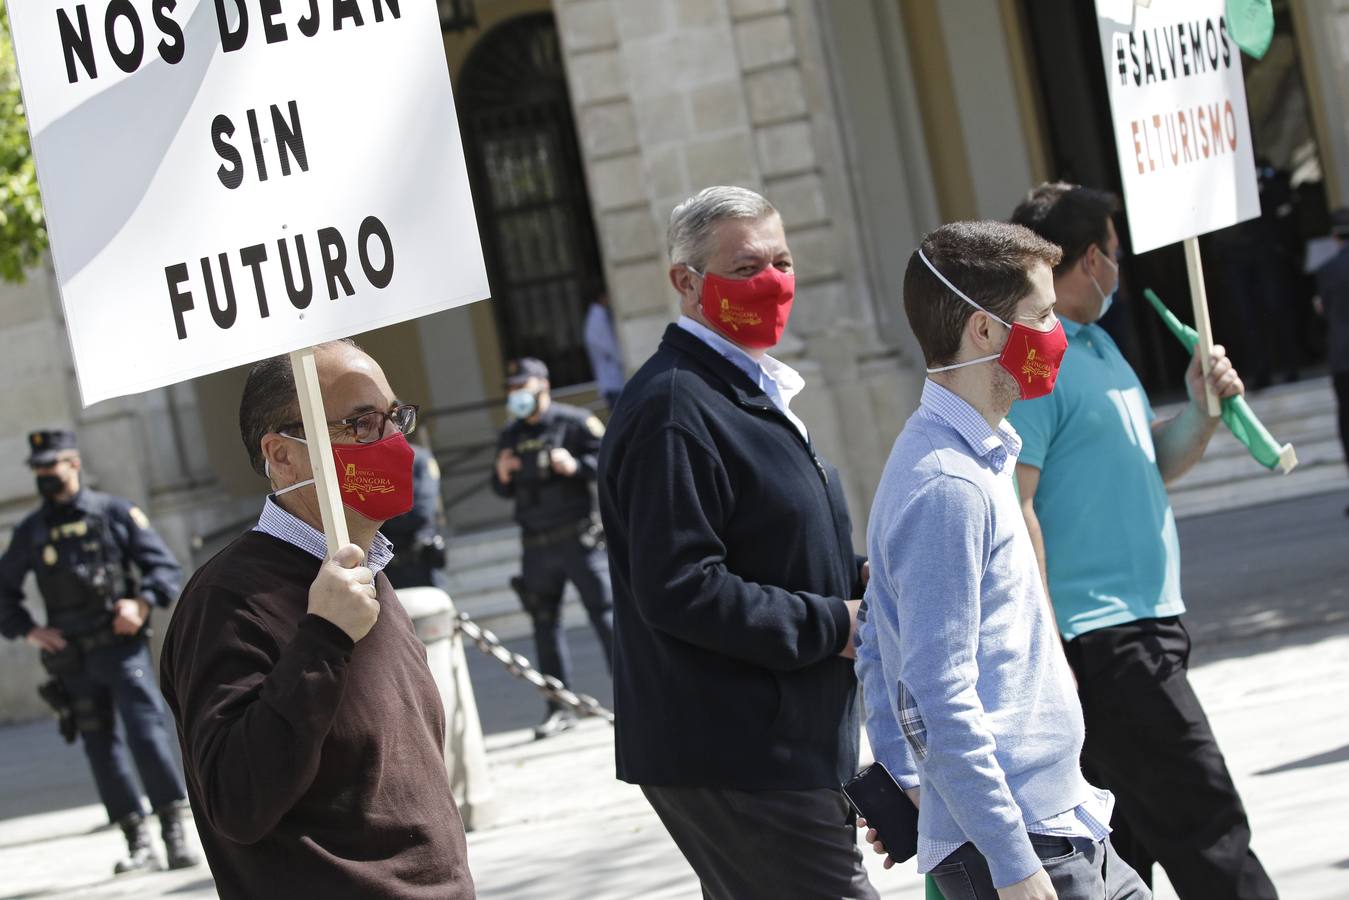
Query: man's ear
979, 330
280, 455
688, 285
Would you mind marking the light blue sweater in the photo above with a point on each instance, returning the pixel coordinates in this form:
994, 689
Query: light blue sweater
959, 653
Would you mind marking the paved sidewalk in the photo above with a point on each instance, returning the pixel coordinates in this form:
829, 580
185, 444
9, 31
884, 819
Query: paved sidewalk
1269, 593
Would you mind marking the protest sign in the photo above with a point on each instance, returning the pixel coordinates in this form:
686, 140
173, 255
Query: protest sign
1178, 112
226, 180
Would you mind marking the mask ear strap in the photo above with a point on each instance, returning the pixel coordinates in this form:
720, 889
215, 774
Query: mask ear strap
267, 469
955, 290
293, 487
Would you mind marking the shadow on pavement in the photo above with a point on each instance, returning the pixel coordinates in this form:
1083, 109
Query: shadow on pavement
1321, 759
1278, 569
191, 887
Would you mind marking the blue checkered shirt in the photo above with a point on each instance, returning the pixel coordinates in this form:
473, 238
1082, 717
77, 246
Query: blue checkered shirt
1090, 820
283, 526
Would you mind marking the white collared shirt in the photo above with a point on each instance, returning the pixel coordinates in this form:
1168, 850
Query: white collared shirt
779, 381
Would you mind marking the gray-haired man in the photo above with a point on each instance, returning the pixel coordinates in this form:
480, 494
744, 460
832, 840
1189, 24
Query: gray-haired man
734, 578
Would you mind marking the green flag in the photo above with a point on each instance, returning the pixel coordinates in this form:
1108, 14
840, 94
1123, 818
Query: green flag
1237, 415
1251, 24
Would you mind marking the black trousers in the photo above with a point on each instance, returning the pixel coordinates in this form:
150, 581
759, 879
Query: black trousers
766, 845
1149, 742
121, 677
544, 573
1341, 382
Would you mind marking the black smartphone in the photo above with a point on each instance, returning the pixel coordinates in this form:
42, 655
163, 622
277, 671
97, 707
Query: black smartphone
877, 797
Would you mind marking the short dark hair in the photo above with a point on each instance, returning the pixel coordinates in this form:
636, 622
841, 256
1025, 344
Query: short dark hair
1069, 215
269, 402
989, 261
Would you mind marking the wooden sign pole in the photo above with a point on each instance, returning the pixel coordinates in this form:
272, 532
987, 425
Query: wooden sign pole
1195, 266
320, 448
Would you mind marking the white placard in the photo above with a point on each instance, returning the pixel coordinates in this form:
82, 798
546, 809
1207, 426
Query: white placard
226, 180
1178, 109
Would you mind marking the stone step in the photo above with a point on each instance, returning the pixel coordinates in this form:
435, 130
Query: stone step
486, 547
1304, 481
1226, 468
1298, 432
483, 577
1301, 414
1285, 402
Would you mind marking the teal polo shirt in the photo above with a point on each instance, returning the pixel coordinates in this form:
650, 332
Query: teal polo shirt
1110, 536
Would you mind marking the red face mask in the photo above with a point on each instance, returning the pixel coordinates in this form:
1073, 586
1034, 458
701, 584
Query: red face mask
753, 311
1032, 357
375, 479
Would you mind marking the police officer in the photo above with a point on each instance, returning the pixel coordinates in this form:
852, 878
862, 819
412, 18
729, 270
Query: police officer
81, 546
546, 461
418, 542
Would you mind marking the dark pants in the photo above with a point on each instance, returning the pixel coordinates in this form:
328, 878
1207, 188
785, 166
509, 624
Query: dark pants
545, 571
1149, 742
1341, 382
745, 845
121, 677
1081, 869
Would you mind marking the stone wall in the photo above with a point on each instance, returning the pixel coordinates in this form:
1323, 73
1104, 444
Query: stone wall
672, 97
1323, 28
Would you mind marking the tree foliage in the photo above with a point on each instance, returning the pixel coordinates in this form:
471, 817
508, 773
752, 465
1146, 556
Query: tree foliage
23, 229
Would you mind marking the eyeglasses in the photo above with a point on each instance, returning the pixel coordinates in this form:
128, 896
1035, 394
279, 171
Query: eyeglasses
369, 427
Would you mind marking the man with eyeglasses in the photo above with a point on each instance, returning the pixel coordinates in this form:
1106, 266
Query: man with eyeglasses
1092, 475
311, 728
100, 568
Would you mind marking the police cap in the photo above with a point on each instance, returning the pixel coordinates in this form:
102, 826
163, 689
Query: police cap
518, 371
45, 447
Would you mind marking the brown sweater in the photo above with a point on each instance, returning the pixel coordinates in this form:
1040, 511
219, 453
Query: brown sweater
314, 766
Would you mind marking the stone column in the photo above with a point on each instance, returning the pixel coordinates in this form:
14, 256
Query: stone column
1323, 40
673, 97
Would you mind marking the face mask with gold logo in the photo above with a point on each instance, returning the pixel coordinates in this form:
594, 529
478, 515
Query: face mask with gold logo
375, 479
753, 311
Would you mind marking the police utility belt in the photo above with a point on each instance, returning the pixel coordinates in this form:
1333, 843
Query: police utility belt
588, 531
70, 659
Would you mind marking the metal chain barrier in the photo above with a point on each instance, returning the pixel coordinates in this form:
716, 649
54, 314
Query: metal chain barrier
520, 667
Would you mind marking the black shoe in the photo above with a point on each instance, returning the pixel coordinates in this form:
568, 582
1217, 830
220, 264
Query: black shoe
556, 722
176, 846
140, 856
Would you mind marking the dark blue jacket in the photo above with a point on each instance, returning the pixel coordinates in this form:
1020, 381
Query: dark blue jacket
41, 539
731, 555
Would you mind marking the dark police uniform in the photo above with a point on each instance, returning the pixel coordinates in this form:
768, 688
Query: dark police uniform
559, 529
418, 545
82, 553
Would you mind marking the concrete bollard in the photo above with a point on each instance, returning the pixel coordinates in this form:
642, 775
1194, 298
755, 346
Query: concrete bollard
433, 616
